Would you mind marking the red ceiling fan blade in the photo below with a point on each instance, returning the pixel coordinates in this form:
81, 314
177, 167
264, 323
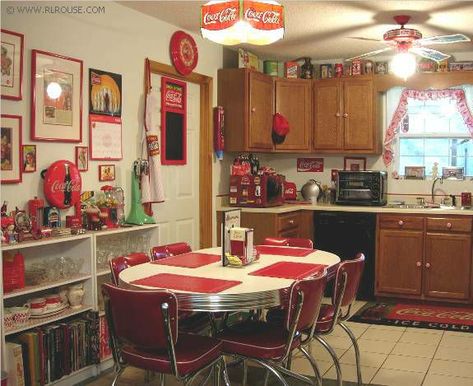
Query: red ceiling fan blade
444, 39
429, 53
371, 53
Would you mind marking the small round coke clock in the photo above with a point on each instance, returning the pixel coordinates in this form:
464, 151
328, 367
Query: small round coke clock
184, 53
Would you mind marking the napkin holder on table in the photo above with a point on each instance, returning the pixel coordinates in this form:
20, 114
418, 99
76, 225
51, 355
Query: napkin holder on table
242, 251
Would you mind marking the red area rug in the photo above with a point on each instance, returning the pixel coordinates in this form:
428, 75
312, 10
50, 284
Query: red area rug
416, 315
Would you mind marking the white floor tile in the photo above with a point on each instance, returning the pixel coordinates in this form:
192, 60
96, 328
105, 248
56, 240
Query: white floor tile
357, 331
302, 366
452, 368
319, 353
376, 346
355, 325
444, 380
454, 354
342, 342
414, 350
390, 377
420, 338
400, 362
468, 335
349, 373
456, 341
425, 331
368, 359
388, 335
382, 327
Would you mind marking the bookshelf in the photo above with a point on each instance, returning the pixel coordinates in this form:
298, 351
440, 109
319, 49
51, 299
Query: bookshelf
91, 274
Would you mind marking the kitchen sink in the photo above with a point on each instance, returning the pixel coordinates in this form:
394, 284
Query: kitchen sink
419, 206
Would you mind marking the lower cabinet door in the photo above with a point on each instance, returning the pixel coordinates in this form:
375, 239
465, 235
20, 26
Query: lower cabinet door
399, 262
447, 267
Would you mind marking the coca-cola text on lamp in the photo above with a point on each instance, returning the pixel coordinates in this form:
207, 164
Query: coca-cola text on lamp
234, 22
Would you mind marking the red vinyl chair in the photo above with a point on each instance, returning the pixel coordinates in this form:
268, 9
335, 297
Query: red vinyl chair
119, 263
162, 251
271, 345
289, 242
143, 334
347, 281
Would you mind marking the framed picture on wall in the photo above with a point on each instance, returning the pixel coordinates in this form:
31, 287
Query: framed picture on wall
106, 173
82, 158
28, 153
354, 163
56, 97
12, 65
105, 93
11, 149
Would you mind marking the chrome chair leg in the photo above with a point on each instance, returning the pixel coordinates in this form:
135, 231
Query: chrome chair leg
336, 362
270, 368
313, 363
119, 372
357, 351
226, 380
162, 380
266, 378
245, 373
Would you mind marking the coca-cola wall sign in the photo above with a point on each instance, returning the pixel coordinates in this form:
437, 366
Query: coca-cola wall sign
62, 184
262, 16
173, 122
310, 164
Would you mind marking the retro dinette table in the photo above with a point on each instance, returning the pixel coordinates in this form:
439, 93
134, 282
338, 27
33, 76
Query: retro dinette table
201, 283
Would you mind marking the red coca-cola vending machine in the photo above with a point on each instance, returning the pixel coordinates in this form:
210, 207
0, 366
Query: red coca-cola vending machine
257, 191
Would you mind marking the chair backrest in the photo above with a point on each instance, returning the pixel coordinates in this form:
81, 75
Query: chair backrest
136, 316
162, 251
347, 280
289, 242
119, 263
312, 290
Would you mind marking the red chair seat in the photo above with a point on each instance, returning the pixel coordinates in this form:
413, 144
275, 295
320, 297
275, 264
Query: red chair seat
256, 339
193, 352
325, 320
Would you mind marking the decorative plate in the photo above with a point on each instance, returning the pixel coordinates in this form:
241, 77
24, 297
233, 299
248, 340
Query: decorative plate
184, 53
52, 312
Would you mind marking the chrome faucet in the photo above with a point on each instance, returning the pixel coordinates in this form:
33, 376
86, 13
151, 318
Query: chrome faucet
433, 186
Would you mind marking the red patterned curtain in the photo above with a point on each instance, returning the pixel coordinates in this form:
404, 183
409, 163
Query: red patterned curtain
393, 130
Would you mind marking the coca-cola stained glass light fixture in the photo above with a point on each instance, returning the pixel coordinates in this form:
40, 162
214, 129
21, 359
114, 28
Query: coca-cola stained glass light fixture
234, 22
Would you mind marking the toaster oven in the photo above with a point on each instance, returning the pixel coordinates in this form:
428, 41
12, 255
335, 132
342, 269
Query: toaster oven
361, 188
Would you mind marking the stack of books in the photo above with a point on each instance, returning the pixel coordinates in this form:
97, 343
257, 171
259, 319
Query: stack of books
45, 354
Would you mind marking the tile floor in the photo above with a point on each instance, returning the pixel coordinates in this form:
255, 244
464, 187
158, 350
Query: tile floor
398, 356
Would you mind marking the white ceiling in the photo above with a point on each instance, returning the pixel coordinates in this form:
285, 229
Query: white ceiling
325, 29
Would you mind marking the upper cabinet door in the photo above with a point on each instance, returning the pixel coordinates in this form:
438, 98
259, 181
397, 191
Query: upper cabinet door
260, 111
327, 133
293, 101
358, 115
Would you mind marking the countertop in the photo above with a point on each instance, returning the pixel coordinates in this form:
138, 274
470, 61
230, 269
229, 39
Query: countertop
287, 208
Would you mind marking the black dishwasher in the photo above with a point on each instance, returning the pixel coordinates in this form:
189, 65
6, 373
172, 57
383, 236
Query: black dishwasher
346, 234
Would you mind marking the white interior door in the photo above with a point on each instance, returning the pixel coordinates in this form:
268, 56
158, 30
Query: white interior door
178, 215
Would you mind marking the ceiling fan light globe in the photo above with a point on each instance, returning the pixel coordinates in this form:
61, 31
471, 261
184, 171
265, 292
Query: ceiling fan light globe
403, 65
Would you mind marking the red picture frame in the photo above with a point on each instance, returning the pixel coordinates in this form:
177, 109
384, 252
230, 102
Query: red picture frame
106, 172
82, 158
28, 158
13, 42
354, 163
11, 129
56, 118
173, 122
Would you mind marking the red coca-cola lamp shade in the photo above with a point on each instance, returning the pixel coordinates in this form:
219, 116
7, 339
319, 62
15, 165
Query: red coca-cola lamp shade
234, 22
62, 184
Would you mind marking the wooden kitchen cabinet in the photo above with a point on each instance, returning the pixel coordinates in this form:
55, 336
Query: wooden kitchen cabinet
424, 257
293, 99
344, 119
247, 97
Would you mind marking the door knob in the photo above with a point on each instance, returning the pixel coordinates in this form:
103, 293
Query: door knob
427, 265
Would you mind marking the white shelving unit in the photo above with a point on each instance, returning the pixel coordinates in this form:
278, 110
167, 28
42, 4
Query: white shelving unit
117, 241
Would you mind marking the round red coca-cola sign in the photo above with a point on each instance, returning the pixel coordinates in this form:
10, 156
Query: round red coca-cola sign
62, 184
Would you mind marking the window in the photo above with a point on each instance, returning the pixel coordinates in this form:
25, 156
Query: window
434, 131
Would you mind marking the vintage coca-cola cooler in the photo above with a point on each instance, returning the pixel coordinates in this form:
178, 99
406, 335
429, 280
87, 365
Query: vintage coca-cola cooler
257, 191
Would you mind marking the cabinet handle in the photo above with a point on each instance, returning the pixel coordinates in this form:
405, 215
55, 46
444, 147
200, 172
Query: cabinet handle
345, 115
401, 223
337, 114
253, 109
418, 264
427, 265
449, 225
291, 222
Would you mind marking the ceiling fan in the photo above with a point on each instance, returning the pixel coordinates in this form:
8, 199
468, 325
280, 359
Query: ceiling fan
404, 40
